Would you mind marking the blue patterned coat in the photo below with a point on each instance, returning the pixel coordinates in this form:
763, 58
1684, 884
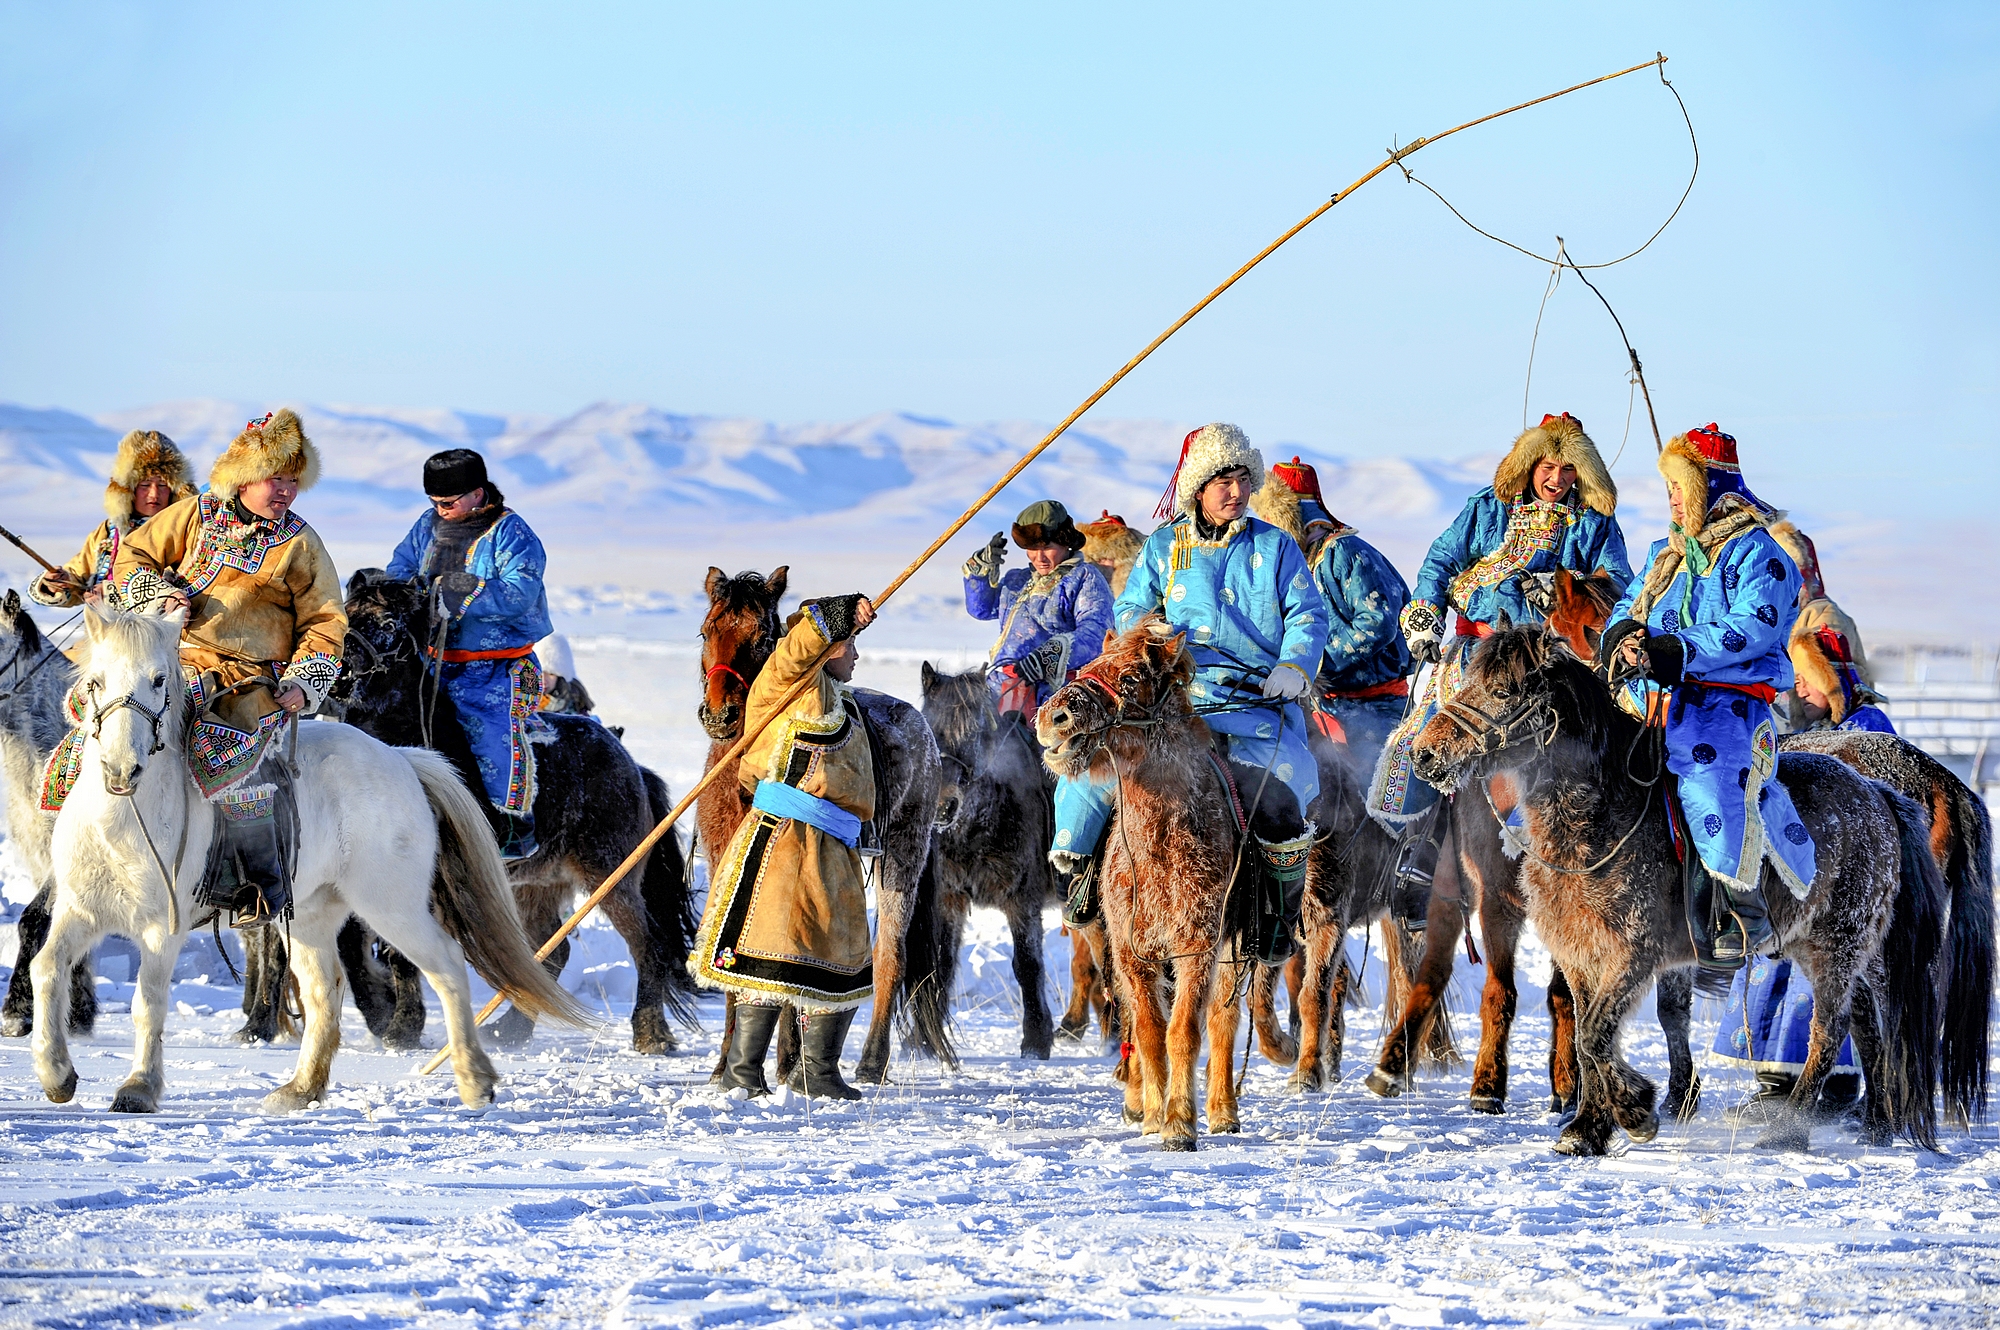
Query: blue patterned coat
1364, 597
1075, 611
509, 608
1589, 542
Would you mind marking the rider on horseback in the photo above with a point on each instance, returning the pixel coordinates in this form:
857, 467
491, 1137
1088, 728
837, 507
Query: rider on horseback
262, 643
484, 567
1710, 616
1551, 506
148, 474
1053, 614
1256, 626
1363, 677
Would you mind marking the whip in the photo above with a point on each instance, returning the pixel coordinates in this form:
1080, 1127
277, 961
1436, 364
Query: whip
22, 546
727, 762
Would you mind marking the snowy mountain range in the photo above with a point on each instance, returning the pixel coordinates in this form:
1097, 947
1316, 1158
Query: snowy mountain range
634, 503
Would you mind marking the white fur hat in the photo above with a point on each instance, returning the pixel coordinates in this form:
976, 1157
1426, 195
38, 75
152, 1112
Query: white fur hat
1205, 454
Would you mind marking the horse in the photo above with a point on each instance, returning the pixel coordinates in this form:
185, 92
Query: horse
1474, 872
992, 839
593, 804
33, 680
389, 835
1605, 891
739, 632
1172, 856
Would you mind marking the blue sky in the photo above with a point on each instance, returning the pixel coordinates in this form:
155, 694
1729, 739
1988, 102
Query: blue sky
979, 212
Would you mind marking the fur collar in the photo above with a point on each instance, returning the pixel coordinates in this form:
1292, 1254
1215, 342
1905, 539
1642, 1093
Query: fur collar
1734, 520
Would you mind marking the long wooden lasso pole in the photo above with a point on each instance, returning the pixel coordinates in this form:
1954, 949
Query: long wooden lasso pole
727, 762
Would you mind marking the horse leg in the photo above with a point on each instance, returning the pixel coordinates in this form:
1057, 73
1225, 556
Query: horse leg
1611, 1093
1673, 1000
441, 961
1276, 1041
1317, 961
1394, 1071
541, 915
1877, 1122
892, 921
264, 970
1194, 979
366, 979
148, 1079
1791, 1129
17, 1013
1147, 1031
315, 963
627, 912
1082, 978
1563, 1072
1500, 921
1295, 980
406, 1025
1224, 1011
1024, 921
49, 1043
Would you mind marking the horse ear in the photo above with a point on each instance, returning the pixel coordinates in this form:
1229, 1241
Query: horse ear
1110, 636
930, 678
712, 584
12, 603
94, 621
778, 580
1503, 623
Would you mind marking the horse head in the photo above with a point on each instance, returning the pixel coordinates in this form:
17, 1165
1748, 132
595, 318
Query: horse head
1138, 685
382, 661
1521, 688
738, 634
1582, 607
132, 689
20, 637
959, 709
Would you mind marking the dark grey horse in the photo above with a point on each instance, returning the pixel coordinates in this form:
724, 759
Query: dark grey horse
992, 839
34, 675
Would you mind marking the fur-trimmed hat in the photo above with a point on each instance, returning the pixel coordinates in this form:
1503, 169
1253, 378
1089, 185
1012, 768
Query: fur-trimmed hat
1205, 454
1824, 658
1558, 438
1290, 501
1113, 546
1703, 462
1799, 545
1046, 523
274, 446
144, 454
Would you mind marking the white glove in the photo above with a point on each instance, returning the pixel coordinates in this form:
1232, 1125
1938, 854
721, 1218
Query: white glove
1423, 629
1068, 863
1287, 681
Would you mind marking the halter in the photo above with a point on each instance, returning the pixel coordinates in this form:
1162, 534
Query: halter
100, 714
1534, 717
729, 670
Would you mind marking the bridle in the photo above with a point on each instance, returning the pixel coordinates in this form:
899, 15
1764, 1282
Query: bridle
99, 714
1532, 717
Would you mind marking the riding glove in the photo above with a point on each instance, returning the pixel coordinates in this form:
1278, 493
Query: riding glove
989, 559
1043, 664
1613, 638
1423, 630
457, 588
1666, 657
1287, 681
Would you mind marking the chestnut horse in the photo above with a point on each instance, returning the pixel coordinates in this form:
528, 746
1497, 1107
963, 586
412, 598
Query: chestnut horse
738, 635
1171, 857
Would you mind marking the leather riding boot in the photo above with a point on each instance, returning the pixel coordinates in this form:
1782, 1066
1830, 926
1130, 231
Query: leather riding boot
1076, 879
247, 873
750, 1040
1746, 928
1416, 866
1774, 1088
1839, 1095
1282, 896
518, 842
818, 1072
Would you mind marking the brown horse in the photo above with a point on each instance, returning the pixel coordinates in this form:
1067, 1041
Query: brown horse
738, 634
1171, 858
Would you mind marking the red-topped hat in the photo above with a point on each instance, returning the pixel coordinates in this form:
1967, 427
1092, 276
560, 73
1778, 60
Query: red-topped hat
1300, 478
1716, 448
1166, 505
1107, 516
1834, 643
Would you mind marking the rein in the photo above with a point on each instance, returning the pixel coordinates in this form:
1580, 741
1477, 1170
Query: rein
170, 877
49, 654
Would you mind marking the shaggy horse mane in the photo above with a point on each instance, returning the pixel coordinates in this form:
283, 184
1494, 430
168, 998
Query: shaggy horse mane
1514, 660
965, 708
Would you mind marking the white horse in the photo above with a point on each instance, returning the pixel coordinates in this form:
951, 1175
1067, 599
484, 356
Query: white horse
389, 834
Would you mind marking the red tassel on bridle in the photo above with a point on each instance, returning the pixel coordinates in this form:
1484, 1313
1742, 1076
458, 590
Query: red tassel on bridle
1167, 507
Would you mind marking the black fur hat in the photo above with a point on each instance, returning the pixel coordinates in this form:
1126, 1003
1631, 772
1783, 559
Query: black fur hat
1046, 523
453, 472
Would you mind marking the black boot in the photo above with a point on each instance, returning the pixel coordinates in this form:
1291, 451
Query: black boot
1416, 866
1076, 879
518, 841
1746, 928
247, 873
1774, 1088
1282, 895
818, 1072
1839, 1095
743, 1067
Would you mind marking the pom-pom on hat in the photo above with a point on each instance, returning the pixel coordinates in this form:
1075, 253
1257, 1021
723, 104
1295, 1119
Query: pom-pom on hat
1046, 523
1205, 454
1559, 439
144, 454
453, 472
1703, 462
276, 445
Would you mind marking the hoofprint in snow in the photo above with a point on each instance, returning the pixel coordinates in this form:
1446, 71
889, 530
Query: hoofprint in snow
604, 1187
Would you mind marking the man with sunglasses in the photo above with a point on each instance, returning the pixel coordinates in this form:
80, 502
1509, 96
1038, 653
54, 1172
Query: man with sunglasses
483, 567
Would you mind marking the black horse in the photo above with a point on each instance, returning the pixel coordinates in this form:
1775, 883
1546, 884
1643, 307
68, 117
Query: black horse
593, 805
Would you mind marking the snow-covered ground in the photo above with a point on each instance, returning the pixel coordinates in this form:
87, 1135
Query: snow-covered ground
607, 1188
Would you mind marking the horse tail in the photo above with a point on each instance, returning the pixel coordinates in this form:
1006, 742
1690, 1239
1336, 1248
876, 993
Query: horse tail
474, 901
930, 968
1908, 1001
1969, 875
669, 897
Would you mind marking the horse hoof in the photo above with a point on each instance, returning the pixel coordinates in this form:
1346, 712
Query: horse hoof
1129, 1118
65, 1092
1489, 1103
508, 1033
403, 1041
1793, 1137
1576, 1144
1077, 1032
251, 1035
1040, 1054
131, 1099
1298, 1084
1688, 1102
1388, 1087
1224, 1127
14, 1025
284, 1100
1647, 1128
1178, 1143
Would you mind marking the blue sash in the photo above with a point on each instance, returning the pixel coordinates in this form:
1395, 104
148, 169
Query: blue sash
782, 800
